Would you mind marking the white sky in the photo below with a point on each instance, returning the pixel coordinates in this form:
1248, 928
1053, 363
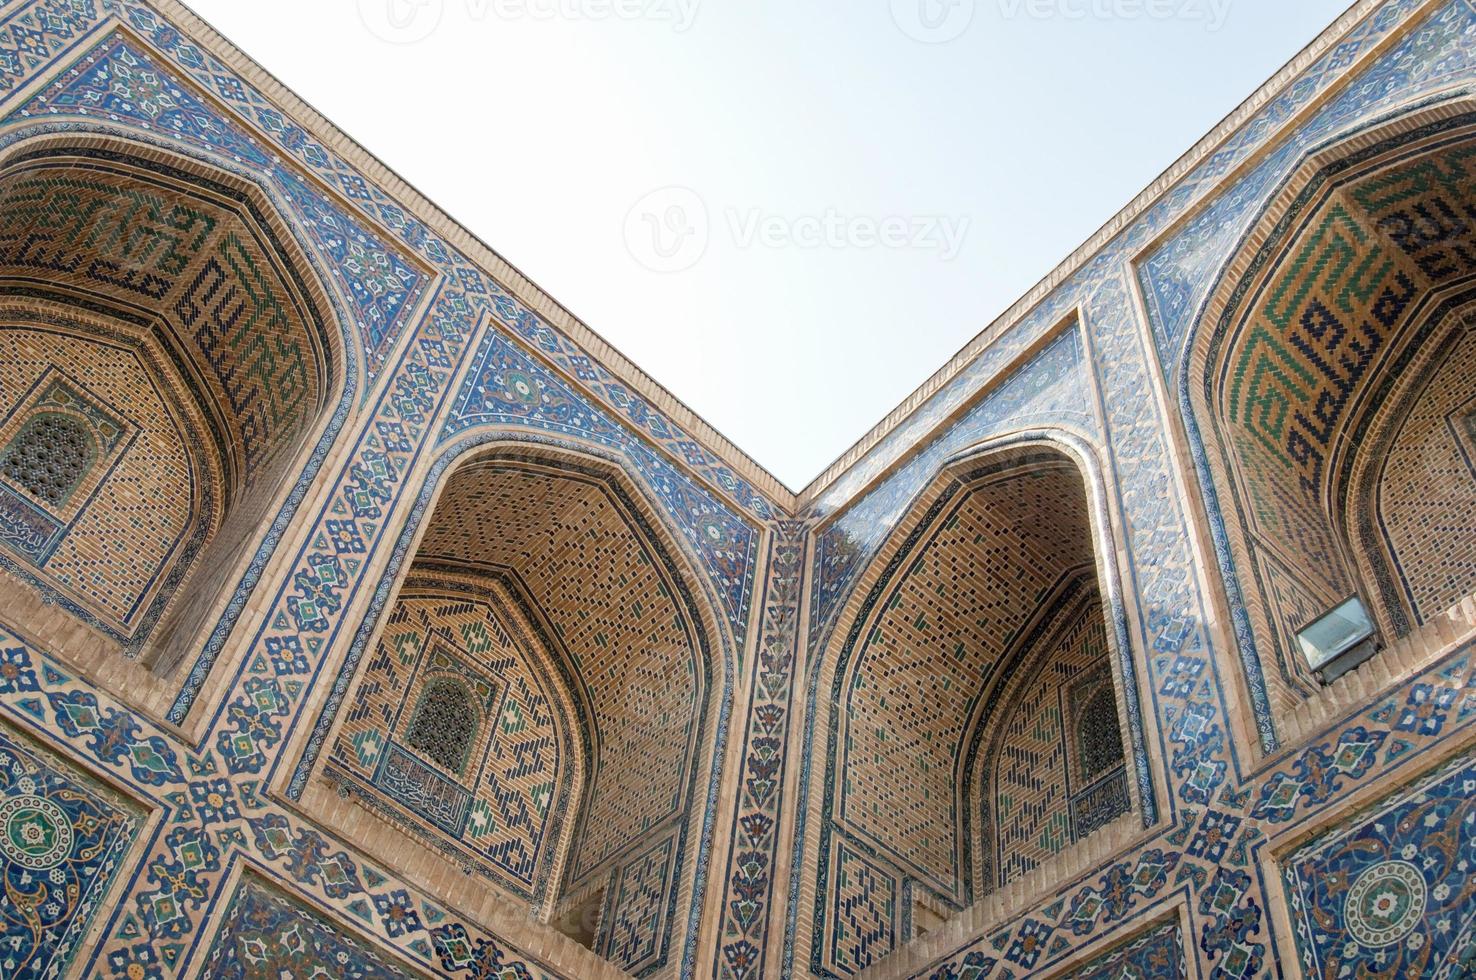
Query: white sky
871, 200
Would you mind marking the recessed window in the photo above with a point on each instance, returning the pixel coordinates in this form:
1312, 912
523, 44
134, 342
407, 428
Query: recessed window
49, 457
445, 725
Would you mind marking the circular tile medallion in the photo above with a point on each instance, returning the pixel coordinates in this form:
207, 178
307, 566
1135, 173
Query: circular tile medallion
1386, 903
34, 832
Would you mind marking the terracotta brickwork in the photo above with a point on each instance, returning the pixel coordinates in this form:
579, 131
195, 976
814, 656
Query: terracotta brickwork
145, 268
611, 606
959, 679
966, 597
1054, 772
113, 537
490, 770
362, 611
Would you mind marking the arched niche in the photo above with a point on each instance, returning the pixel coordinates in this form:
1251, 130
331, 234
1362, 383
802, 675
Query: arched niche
546, 575
164, 307
977, 710
1328, 388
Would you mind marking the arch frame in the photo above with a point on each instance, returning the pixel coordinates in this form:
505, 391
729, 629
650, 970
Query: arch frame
1400, 127
718, 653
171, 697
828, 674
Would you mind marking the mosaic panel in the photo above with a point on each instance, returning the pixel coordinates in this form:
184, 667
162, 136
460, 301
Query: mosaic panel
864, 912
1178, 651
509, 386
1159, 955
1425, 492
119, 79
633, 936
235, 339
1184, 688
749, 903
252, 723
63, 436
1179, 274
267, 933
62, 840
632, 643
118, 85
59, 441
1046, 391
1393, 894
498, 795
1421, 55
195, 258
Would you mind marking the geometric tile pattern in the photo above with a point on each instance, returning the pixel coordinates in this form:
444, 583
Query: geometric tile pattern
1424, 484
1401, 46
1333, 306
119, 84
750, 900
237, 342
1046, 391
497, 802
195, 257
214, 805
1406, 55
631, 643
123, 85
973, 581
965, 649
511, 386
138, 509
865, 912
1036, 796
634, 936
379, 280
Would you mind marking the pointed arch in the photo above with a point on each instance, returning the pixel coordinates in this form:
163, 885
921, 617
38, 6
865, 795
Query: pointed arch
981, 590
168, 300
541, 521
1322, 393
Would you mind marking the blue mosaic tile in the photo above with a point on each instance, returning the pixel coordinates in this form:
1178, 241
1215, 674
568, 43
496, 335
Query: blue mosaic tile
1393, 893
62, 841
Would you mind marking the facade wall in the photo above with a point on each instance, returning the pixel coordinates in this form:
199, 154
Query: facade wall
669, 620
